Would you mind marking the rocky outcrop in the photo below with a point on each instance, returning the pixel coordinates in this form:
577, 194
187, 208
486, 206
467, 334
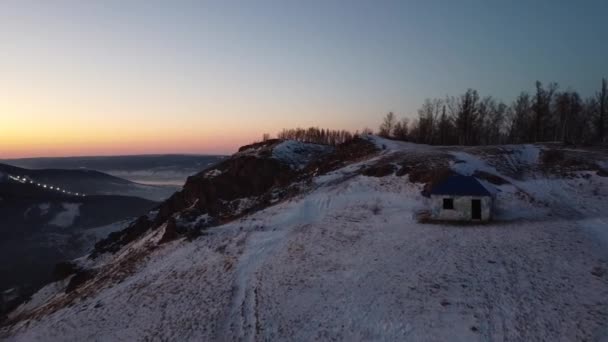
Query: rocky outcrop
116, 240
349, 152
258, 175
80, 277
64, 269
382, 170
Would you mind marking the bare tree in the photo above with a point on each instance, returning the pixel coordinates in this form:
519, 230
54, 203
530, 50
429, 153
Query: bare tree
521, 116
466, 116
487, 108
542, 110
571, 124
602, 101
471, 120
400, 131
444, 127
495, 123
428, 115
316, 135
367, 131
388, 123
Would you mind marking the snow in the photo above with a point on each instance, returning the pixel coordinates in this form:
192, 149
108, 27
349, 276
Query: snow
529, 154
244, 204
98, 233
41, 296
598, 226
466, 164
568, 198
212, 173
66, 217
44, 208
200, 220
396, 145
298, 154
347, 261
152, 214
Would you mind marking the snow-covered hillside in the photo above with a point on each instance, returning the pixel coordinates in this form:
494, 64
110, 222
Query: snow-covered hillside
345, 259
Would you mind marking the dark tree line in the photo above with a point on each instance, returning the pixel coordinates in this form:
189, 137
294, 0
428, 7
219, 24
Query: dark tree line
547, 115
316, 135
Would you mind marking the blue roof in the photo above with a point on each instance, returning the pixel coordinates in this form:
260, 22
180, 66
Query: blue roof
460, 186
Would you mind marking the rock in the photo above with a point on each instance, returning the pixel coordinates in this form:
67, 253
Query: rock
379, 170
266, 143
170, 231
116, 240
253, 174
404, 170
81, 277
551, 157
64, 269
345, 153
598, 271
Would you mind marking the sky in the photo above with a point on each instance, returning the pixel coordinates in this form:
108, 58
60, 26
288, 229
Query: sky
136, 77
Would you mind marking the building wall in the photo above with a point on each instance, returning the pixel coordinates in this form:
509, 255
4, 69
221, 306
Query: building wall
462, 208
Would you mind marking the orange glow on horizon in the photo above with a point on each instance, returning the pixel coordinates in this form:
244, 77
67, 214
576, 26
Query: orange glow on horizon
46, 124
120, 143
48, 138
39, 128
62, 130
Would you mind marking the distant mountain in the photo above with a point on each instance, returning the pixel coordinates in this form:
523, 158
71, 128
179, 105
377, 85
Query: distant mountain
171, 169
87, 182
40, 227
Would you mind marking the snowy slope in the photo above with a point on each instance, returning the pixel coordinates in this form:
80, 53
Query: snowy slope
297, 154
346, 260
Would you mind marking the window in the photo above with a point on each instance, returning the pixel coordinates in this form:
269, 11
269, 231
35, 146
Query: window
448, 203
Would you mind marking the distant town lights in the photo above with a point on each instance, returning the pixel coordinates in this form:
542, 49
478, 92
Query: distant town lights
25, 180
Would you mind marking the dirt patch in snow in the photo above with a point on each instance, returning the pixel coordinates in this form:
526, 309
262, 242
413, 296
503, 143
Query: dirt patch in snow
381, 170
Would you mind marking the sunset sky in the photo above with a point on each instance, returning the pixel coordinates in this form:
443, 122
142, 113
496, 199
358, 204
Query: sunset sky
131, 77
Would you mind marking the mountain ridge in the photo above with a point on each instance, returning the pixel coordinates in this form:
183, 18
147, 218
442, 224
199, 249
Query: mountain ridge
338, 238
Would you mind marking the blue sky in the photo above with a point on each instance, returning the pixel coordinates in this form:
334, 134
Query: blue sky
227, 71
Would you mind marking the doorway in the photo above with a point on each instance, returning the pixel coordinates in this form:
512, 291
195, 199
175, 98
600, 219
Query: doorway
476, 209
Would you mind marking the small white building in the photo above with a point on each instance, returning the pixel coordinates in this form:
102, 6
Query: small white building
461, 198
